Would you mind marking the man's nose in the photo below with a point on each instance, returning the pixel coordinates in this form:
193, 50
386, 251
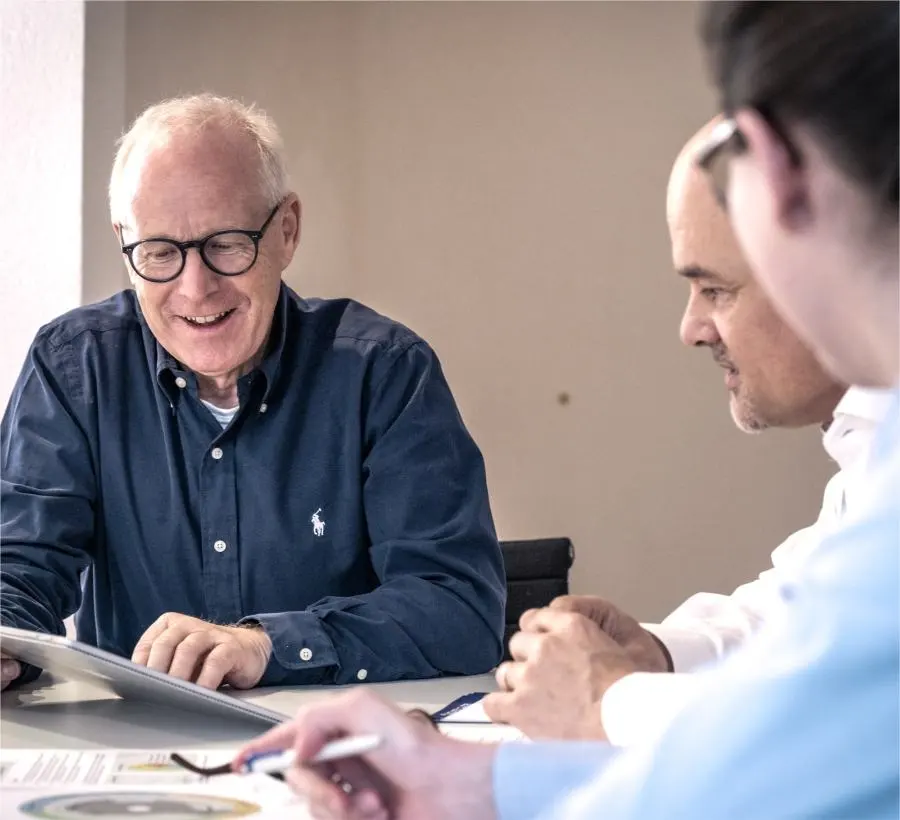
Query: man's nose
697, 329
197, 281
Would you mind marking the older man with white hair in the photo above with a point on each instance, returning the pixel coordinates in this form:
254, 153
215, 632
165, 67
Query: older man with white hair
225, 481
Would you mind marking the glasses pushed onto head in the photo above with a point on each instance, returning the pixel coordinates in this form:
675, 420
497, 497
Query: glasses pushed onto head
715, 156
227, 253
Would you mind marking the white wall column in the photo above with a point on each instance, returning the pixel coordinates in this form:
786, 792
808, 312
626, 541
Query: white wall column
41, 128
103, 272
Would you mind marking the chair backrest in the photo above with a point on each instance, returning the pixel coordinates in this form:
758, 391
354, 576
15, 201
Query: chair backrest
537, 571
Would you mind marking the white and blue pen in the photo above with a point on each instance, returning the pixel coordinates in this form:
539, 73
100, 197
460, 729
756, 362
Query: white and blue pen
277, 762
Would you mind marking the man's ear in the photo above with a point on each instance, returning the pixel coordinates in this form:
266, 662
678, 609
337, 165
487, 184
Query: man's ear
783, 176
290, 223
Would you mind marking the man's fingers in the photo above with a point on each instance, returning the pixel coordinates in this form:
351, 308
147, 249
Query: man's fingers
326, 799
597, 609
522, 646
308, 732
163, 649
188, 657
527, 617
277, 739
9, 671
496, 706
509, 675
142, 649
550, 620
368, 805
218, 663
572, 603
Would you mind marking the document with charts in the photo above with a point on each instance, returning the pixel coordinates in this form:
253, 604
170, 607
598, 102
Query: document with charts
87, 784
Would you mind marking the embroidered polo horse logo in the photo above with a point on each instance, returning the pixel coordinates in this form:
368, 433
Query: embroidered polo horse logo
318, 524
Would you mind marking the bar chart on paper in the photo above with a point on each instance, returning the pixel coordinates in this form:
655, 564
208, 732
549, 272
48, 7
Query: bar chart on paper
83, 785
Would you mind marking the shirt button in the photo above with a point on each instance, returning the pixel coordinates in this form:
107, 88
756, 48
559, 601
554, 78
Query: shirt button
362, 674
220, 546
263, 407
305, 654
216, 453
181, 382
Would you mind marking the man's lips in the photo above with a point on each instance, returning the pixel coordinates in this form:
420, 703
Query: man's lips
207, 319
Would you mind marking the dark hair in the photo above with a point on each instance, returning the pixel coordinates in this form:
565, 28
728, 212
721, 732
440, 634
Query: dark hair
832, 66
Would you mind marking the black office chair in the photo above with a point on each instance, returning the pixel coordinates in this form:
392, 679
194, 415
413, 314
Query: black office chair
537, 571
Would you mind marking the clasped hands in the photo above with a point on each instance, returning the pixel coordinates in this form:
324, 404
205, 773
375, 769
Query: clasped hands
564, 659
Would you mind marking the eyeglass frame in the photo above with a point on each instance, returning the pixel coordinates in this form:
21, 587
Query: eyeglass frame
254, 236
728, 137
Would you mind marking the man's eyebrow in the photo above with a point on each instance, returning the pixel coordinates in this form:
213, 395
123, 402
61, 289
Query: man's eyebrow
697, 272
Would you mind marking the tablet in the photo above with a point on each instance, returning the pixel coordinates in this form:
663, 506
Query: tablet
72, 660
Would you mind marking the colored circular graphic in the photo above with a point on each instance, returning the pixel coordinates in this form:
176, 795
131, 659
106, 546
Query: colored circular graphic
127, 805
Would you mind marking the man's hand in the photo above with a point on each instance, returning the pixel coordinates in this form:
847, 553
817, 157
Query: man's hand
10, 669
415, 773
644, 649
562, 665
207, 654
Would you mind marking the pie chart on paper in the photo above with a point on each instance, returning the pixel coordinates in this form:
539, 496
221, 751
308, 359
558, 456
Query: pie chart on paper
148, 805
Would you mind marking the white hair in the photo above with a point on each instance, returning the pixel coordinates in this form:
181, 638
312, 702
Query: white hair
157, 124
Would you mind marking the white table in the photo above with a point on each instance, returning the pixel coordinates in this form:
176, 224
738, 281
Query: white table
50, 714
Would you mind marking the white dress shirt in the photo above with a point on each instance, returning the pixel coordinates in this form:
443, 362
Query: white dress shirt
708, 626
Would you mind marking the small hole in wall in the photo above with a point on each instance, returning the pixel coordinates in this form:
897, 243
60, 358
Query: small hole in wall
563, 399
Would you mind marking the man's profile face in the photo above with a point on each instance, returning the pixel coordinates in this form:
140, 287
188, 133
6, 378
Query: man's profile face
772, 379
189, 188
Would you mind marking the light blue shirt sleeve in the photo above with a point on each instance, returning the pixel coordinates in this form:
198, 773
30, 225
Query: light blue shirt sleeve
530, 778
802, 723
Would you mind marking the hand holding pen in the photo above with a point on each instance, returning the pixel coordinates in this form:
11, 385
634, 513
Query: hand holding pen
277, 762
414, 772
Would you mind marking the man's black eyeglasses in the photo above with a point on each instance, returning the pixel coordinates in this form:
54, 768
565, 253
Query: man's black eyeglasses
228, 253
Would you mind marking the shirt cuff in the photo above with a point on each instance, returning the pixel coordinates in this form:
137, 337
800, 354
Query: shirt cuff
530, 778
636, 708
689, 649
302, 650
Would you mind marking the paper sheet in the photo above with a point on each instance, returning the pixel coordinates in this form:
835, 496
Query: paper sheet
83, 785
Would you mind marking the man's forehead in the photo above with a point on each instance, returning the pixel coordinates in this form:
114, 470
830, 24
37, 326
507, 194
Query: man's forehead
174, 184
703, 241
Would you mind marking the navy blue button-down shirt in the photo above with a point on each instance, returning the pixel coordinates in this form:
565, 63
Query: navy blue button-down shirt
344, 508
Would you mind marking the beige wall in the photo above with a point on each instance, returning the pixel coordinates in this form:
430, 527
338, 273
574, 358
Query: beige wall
494, 175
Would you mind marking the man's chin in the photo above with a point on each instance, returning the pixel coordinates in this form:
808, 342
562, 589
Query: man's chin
744, 416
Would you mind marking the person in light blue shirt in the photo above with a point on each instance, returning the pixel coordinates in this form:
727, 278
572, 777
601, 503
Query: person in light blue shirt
804, 722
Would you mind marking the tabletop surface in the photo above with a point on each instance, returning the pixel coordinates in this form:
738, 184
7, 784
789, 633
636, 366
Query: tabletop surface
55, 714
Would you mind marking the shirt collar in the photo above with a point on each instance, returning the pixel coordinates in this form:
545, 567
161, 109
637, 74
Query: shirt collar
858, 414
168, 368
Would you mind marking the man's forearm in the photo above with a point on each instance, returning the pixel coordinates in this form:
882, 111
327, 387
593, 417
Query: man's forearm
408, 628
531, 778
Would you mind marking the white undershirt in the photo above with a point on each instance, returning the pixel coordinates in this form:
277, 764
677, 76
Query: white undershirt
223, 415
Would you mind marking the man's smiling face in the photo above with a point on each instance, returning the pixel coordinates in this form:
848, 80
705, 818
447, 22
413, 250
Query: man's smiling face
192, 186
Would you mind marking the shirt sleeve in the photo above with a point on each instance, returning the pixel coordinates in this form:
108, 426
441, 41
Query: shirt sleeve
47, 491
804, 721
439, 605
531, 779
709, 626
638, 707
